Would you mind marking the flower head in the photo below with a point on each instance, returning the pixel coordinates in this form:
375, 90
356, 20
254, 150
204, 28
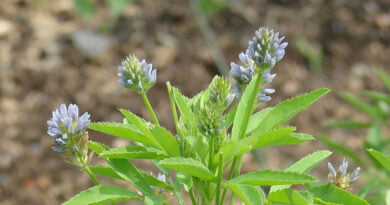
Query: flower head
68, 131
136, 75
341, 177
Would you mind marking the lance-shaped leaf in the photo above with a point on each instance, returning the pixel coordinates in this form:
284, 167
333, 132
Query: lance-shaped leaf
378, 96
167, 141
333, 194
381, 158
384, 77
186, 115
133, 152
287, 197
130, 173
287, 109
304, 165
120, 130
256, 118
189, 166
250, 195
108, 171
97, 147
271, 177
102, 194
154, 200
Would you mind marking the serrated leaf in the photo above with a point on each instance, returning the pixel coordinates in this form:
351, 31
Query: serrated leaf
120, 130
363, 106
189, 166
287, 109
130, 173
106, 171
185, 180
102, 194
167, 141
97, 147
245, 109
258, 117
333, 194
339, 148
271, 177
132, 152
381, 158
186, 114
287, 197
250, 195
347, 124
304, 165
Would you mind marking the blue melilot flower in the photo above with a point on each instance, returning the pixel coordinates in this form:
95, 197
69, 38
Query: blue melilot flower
68, 130
342, 178
263, 52
136, 75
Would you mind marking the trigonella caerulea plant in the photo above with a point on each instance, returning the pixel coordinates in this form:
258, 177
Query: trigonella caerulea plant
204, 156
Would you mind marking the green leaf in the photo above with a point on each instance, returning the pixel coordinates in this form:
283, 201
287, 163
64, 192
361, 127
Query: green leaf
189, 166
339, 148
167, 141
287, 197
258, 117
116, 6
279, 136
381, 158
347, 124
333, 194
319, 201
120, 130
185, 180
130, 173
229, 117
361, 105
245, 108
378, 96
105, 170
271, 177
384, 77
97, 147
102, 194
154, 200
287, 109
375, 138
305, 165
250, 195
185, 111
132, 152
86, 7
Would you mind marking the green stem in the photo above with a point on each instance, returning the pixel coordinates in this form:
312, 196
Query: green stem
192, 195
173, 106
230, 175
86, 168
219, 179
149, 107
176, 191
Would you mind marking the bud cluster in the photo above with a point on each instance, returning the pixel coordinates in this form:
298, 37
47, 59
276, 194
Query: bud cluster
342, 178
136, 75
69, 132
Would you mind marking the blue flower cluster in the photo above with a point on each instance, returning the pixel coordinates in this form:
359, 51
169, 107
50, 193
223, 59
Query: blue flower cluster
136, 75
263, 52
342, 178
66, 127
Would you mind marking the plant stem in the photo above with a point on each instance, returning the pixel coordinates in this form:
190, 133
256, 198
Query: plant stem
86, 168
192, 195
173, 106
219, 179
230, 175
149, 107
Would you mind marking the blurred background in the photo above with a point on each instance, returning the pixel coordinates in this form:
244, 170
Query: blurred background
65, 51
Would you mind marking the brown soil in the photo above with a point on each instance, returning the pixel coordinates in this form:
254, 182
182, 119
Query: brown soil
45, 60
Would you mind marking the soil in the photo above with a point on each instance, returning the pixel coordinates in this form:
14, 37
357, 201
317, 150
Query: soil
50, 55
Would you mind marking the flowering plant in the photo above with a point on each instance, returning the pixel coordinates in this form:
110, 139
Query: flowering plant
214, 129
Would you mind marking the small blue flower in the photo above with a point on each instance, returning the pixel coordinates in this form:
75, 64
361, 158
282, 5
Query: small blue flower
342, 178
69, 131
136, 75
